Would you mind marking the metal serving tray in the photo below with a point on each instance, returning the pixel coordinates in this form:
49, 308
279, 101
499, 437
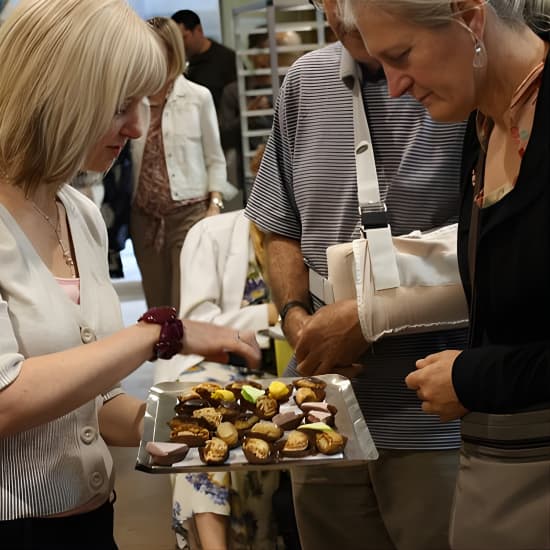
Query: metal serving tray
349, 421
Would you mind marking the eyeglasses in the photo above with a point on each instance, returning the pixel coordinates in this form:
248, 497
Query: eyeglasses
318, 4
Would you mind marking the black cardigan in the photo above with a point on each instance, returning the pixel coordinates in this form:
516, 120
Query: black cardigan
507, 367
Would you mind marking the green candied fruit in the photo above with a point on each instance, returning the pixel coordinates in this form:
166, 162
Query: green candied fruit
251, 394
318, 426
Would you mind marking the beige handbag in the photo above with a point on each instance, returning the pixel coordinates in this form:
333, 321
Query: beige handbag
402, 284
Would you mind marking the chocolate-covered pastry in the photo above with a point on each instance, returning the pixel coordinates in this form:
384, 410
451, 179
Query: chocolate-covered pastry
304, 395
237, 385
266, 430
165, 454
288, 420
209, 416
279, 391
190, 433
251, 394
319, 406
228, 432
229, 410
245, 421
215, 451
221, 395
330, 442
258, 451
185, 407
266, 407
310, 382
297, 445
206, 389
320, 416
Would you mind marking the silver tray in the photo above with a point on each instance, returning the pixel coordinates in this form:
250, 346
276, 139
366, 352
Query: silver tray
349, 421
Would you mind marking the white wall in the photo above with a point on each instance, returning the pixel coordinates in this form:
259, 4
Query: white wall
207, 10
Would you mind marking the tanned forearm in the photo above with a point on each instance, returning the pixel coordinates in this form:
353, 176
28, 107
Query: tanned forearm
288, 280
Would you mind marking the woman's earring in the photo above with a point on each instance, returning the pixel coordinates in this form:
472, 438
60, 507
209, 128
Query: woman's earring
480, 54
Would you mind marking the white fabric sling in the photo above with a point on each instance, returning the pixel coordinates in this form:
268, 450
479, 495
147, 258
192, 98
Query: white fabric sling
402, 284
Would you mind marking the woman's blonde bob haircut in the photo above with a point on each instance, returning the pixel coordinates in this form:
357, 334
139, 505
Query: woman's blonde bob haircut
170, 36
67, 68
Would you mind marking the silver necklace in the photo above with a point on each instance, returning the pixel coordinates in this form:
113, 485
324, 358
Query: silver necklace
56, 227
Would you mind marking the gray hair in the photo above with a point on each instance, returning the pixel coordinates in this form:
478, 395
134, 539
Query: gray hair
433, 13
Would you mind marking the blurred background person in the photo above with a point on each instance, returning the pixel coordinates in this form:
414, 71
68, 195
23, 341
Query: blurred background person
179, 173
210, 63
230, 112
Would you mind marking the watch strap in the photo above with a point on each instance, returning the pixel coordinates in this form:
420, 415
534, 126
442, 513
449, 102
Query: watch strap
289, 305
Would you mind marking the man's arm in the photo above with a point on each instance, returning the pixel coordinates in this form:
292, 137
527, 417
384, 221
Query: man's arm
288, 281
329, 340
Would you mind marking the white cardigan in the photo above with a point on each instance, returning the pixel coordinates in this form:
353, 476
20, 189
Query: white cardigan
214, 268
64, 463
193, 152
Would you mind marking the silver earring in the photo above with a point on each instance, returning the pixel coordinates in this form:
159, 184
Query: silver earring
480, 54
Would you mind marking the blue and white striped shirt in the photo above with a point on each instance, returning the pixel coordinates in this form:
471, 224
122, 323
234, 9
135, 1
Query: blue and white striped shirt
306, 190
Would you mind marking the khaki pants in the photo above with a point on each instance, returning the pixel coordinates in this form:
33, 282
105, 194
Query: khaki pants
400, 501
502, 499
160, 271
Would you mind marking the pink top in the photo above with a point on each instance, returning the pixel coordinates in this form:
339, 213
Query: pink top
71, 287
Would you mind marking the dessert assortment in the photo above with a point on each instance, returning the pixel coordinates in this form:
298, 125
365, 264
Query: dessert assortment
265, 425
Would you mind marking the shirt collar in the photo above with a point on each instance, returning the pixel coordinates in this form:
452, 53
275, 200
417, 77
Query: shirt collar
351, 69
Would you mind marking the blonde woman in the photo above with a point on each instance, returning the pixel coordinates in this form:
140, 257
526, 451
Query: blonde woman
72, 79
180, 174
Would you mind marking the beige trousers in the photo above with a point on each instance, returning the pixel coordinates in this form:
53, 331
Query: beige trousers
502, 499
160, 271
400, 501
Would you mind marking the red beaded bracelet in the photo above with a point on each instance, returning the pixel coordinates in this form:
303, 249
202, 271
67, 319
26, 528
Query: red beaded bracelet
171, 334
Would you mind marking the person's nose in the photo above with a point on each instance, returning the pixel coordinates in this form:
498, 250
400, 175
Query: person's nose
398, 83
134, 125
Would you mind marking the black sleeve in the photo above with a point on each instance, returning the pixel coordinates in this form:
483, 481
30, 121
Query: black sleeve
503, 379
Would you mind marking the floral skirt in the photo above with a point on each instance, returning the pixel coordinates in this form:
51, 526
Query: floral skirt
244, 496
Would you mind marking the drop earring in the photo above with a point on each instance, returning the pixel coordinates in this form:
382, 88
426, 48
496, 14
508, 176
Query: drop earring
480, 54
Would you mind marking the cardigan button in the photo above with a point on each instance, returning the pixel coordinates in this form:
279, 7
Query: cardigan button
87, 335
96, 480
88, 435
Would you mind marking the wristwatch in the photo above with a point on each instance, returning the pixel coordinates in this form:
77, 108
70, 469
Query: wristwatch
216, 201
289, 305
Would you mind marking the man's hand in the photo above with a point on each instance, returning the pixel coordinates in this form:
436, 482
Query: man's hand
331, 341
434, 386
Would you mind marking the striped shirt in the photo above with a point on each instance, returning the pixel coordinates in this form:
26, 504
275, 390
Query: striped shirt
306, 190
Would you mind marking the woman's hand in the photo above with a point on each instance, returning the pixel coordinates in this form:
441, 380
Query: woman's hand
434, 385
215, 343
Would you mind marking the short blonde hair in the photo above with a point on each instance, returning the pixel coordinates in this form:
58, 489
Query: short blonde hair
67, 67
171, 37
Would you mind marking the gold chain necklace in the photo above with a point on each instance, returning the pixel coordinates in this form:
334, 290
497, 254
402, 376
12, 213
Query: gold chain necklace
56, 227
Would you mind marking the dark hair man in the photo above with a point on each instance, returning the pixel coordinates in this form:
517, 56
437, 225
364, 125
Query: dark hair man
210, 63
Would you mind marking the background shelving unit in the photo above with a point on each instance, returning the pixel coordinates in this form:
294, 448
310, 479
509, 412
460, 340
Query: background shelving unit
268, 18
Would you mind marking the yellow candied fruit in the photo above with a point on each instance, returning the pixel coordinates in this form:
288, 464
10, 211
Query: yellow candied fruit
278, 390
223, 395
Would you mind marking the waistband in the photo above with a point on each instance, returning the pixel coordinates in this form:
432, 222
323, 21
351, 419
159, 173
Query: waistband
519, 430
